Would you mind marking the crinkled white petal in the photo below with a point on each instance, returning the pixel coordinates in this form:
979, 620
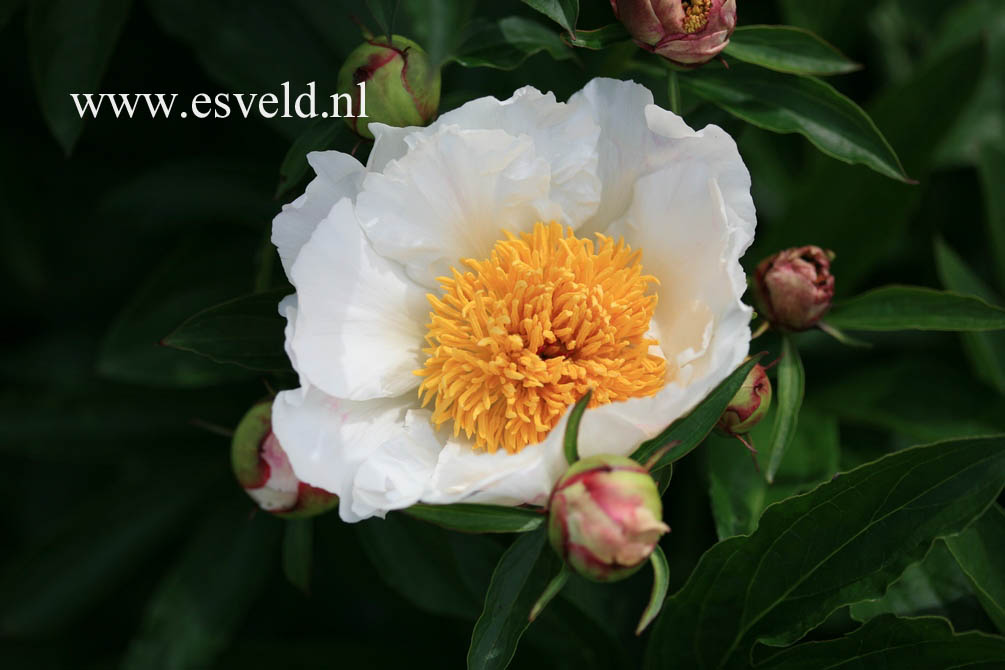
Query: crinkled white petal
339, 176
359, 322
330, 440
451, 196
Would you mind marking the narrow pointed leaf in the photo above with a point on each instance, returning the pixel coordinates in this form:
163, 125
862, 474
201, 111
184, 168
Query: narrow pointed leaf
550, 591
521, 575
775, 585
298, 552
790, 384
470, 518
782, 103
896, 644
601, 38
563, 12
663, 477
661, 583
570, 441
505, 44
979, 551
690, 430
915, 308
788, 49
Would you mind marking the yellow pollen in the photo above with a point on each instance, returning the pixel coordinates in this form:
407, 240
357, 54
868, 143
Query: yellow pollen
695, 14
523, 334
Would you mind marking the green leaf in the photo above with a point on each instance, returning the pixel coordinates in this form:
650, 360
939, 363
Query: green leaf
563, 12
321, 135
985, 350
775, 585
789, 389
978, 551
663, 476
550, 591
69, 46
570, 441
992, 172
202, 601
298, 552
788, 49
445, 573
471, 518
601, 38
522, 574
661, 584
508, 43
915, 308
245, 331
782, 103
895, 644
437, 25
690, 430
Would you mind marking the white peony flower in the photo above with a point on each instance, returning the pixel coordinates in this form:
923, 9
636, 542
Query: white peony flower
459, 293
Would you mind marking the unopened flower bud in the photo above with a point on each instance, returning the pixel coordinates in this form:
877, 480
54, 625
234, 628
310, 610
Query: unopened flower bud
402, 86
749, 405
794, 287
264, 472
605, 517
684, 32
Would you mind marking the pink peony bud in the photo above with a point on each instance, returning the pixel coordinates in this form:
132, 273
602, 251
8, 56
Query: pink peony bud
684, 32
749, 405
794, 287
264, 471
605, 517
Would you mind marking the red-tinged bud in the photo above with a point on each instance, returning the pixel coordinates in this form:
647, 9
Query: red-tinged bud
685, 32
749, 405
605, 517
402, 86
794, 288
264, 472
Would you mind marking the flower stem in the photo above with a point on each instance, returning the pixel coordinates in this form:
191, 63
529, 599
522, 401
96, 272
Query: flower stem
673, 91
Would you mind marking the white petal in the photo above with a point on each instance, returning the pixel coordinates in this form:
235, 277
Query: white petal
338, 176
451, 196
359, 323
328, 440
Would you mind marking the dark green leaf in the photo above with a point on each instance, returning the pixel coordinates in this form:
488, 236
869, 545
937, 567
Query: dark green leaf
915, 308
776, 584
298, 552
787, 104
550, 591
522, 574
788, 49
563, 12
992, 172
690, 430
601, 38
438, 24
508, 43
661, 583
201, 602
789, 388
245, 331
69, 46
979, 551
985, 350
319, 136
570, 441
469, 518
927, 643
663, 476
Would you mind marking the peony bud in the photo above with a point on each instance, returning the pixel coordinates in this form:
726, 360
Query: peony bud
402, 86
794, 287
605, 517
749, 405
684, 32
264, 471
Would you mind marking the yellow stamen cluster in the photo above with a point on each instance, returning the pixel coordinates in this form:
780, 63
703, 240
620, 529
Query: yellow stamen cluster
696, 14
516, 340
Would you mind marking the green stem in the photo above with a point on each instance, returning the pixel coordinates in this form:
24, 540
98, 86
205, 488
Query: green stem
673, 92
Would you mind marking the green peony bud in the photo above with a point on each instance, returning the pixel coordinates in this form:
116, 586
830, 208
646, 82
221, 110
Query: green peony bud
605, 517
749, 405
402, 86
264, 472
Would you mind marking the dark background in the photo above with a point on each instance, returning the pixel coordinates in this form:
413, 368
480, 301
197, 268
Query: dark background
126, 541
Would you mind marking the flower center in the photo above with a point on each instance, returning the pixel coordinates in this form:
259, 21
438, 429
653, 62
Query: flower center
695, 14
526, 332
